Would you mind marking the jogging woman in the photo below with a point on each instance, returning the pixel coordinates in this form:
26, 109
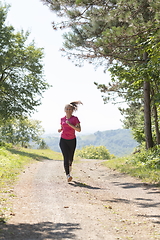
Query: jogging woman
69, 124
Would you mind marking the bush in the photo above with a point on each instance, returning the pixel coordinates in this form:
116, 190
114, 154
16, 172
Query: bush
144, 165
148, 158
3, 144
92, 152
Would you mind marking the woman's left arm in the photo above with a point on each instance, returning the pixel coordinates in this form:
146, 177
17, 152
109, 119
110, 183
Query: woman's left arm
77, 127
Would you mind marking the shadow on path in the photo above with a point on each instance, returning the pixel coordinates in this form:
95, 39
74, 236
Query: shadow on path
156, 218
142, 203
136, 185
40, 231
79, 184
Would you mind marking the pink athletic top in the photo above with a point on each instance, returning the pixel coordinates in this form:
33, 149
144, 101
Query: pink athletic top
67, 131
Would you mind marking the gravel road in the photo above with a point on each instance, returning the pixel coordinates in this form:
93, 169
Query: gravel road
98, 204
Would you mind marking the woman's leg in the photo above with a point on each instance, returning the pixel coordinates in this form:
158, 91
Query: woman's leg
65, 151
68, 148
72, 147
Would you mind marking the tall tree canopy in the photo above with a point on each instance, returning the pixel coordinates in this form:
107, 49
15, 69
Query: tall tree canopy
113, 32
21, 72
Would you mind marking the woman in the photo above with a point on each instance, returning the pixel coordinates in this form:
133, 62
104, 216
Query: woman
69, 124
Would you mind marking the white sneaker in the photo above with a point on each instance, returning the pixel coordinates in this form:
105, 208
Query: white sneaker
69, 178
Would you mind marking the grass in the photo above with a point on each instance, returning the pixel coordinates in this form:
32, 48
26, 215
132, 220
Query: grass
135, 168
12, 162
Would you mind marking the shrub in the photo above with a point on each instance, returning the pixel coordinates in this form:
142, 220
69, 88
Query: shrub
148, 158
3, 144
92, 152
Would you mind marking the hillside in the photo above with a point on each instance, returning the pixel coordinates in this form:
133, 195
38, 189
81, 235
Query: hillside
119, 142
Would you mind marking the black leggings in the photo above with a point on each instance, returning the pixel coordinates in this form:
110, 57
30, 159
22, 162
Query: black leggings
68, 148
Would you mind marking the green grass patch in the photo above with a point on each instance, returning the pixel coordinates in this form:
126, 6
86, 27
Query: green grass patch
146, 171
12, 162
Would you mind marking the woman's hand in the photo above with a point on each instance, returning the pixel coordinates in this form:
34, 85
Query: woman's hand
77, 127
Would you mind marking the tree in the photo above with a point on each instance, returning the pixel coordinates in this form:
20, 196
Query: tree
127, 83
43, 145
21, 72
107, 32
21, 131
115, 29
134, 120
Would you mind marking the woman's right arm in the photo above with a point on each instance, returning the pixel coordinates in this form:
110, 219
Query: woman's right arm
60, 129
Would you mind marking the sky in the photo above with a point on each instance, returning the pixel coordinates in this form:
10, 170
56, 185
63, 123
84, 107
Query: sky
69, 83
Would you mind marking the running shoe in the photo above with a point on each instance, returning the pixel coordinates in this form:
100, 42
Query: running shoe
69, 178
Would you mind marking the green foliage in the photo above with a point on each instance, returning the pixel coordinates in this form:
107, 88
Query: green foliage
129, 85
43, 145
149, 159
21, 72
134, 119
92, 152
10, 163
21, 131
4, 144
144, 165
108, 30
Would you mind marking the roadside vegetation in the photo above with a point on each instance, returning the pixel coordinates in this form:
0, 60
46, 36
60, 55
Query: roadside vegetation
14, 159
93, 152
144, 165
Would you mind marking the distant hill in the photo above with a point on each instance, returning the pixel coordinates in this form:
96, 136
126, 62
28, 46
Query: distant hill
119, 142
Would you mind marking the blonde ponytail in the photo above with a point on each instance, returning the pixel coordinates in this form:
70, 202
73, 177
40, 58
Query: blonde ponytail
75, 104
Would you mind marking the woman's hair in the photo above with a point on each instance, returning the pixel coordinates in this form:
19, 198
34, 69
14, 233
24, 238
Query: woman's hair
75, 104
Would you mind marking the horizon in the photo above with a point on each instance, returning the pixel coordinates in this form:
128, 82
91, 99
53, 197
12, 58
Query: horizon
85, 133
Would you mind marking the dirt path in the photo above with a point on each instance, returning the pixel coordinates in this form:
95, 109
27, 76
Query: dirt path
98, 204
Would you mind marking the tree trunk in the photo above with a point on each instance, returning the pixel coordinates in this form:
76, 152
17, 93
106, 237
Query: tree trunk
156, 124
147, 115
